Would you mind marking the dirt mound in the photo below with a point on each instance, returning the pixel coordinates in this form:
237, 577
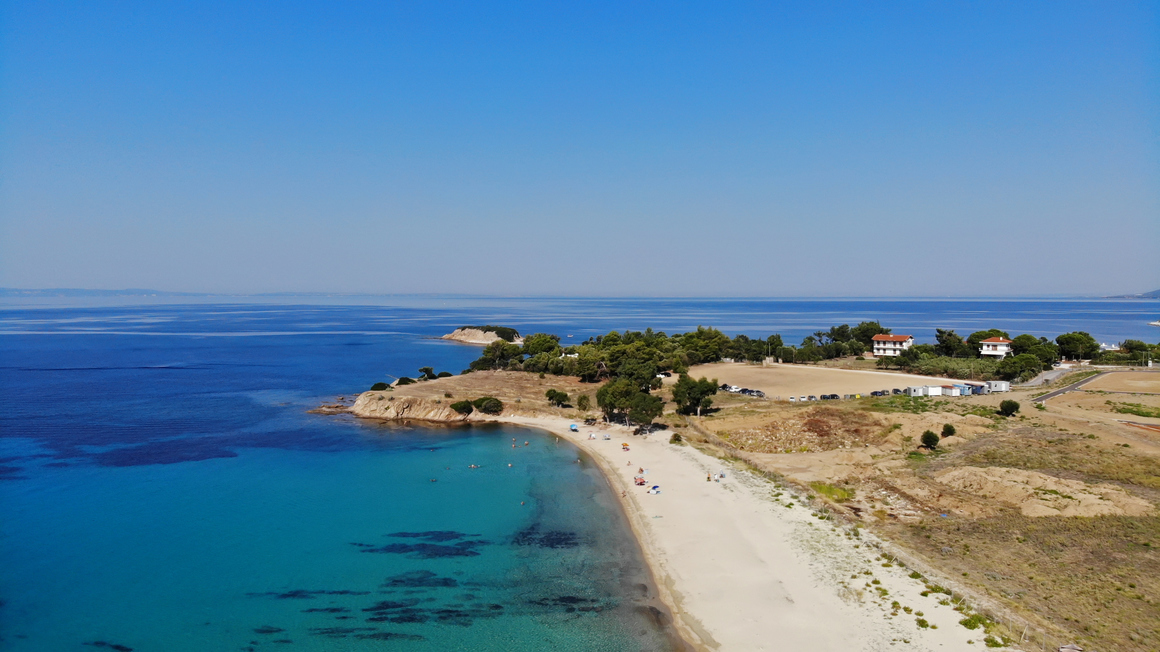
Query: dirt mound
811, 431
1036, 494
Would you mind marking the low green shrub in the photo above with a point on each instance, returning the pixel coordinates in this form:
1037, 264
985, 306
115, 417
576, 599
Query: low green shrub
404, 381
378, 387
463, 407
1008, 407
930, 439
488, 405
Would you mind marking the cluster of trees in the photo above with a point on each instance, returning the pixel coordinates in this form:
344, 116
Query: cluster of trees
952, 355
1131, 352
556, 397
630, 362
485, 404
838, 342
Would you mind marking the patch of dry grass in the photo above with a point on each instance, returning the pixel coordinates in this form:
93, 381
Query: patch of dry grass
1097, 579
1064, 455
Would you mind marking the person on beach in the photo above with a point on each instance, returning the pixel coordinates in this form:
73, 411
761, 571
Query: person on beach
708, 478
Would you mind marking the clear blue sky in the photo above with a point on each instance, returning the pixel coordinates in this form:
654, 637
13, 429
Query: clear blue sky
832, 149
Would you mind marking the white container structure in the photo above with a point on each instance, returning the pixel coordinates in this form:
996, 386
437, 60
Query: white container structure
916, 390
934, 390
998, 386
951, 390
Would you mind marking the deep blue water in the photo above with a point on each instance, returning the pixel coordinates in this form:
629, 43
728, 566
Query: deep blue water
162, 486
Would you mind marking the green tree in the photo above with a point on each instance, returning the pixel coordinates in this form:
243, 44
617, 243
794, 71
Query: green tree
404, 381
1020, 367
378, 387
693, 395
1077, 345
645, 407
497, 355
615, 396
427, 373
1023, 343
930, 439
557, 398
975, 339
488, 405
865, 332
949, 343
1008, 407
583, 403
948, 430
463, 407
537, 343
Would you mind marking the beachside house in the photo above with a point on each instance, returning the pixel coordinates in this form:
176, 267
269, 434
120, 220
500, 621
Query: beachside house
891, 345
951, 390
934, 390
916, 390
998, 385
995, 347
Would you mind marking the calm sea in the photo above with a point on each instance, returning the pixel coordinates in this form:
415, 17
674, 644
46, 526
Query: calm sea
162, 486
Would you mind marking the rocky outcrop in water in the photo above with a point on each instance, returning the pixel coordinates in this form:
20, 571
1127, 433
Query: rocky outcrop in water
383, 405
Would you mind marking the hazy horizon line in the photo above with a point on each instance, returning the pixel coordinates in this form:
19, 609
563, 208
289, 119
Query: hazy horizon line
139, 292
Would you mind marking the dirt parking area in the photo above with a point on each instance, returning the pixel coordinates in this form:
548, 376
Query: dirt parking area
1127, 381
783, 381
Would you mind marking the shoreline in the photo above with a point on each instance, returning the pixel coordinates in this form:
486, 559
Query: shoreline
739, 570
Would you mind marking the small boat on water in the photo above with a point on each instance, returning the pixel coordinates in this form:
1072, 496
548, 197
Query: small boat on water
1154, 323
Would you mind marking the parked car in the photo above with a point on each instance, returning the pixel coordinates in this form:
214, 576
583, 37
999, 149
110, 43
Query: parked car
813, 398
792, 400
896, 391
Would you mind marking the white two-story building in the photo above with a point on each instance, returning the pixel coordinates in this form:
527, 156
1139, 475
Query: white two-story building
995, 347
891, 345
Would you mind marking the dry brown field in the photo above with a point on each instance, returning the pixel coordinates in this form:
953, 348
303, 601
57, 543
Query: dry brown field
1127, 381
780, 380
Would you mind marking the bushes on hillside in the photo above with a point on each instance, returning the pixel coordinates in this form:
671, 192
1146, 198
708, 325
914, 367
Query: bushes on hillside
463, 407
556, 397
378, 387
930, 439
488, 405
404, 381
1008, 407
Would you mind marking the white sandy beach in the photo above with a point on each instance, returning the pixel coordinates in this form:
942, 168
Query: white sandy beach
742, 571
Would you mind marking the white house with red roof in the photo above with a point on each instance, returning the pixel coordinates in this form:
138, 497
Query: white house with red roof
891, 345
995, 347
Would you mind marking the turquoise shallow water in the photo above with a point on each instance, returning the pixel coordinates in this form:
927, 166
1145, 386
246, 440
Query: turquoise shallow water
277, 549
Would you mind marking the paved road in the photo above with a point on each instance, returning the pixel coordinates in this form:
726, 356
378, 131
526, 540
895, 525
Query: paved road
1073, 386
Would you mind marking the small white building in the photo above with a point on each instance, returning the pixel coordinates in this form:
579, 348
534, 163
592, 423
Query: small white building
995, 347
998, 386
891, 345
934, 390
951, 390
916, 390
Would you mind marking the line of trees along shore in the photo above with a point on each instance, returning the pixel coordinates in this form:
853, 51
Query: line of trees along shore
629, 362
